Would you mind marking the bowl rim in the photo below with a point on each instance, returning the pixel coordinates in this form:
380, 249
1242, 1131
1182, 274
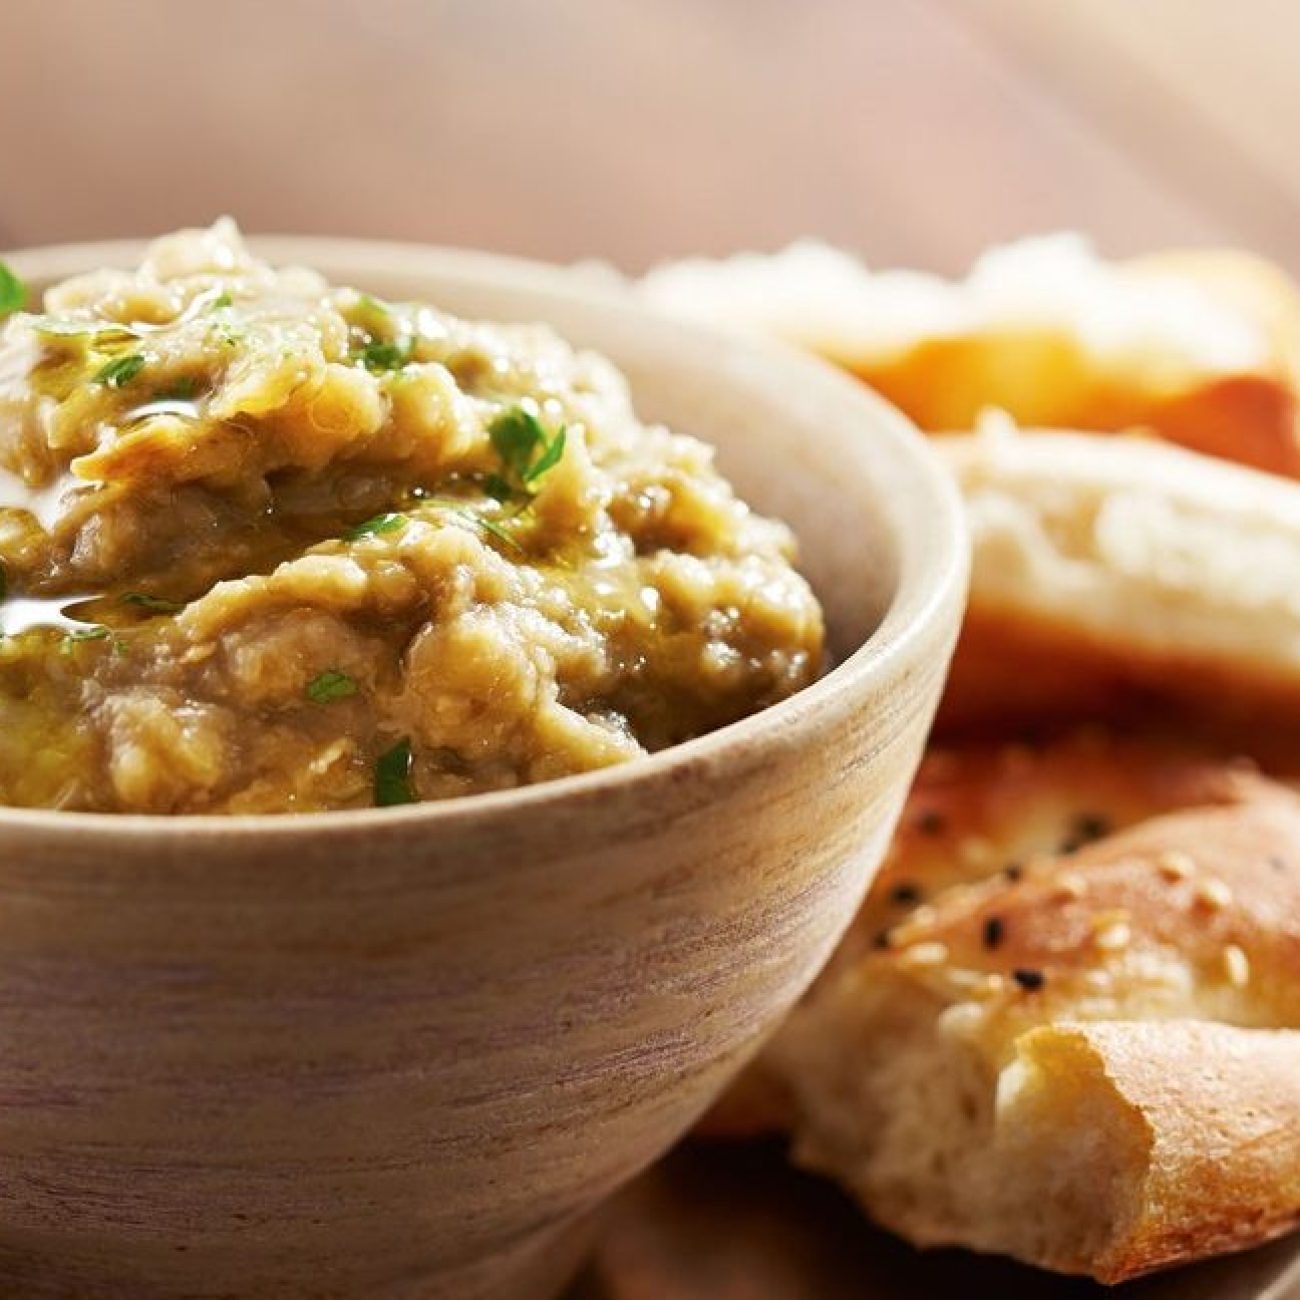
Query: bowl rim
931, 577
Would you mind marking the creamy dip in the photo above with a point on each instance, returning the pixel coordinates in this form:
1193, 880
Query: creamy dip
271, 545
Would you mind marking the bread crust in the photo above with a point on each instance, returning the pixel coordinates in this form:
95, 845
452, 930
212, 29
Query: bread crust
986, 345
1218, 1105
1121, 578
1126, 1028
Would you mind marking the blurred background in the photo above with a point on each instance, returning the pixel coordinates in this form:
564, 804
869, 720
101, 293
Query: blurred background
915, 131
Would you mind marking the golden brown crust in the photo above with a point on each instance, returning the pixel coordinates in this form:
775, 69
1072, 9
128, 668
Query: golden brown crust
982, 808
1219, 1105
1048, 379
1124, 580
1079, 974
1060, 676
1190, 885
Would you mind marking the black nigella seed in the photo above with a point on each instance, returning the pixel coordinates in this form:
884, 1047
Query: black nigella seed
930, 822
905, 894
1013, 871
1089, 826
994, 931
1030, 980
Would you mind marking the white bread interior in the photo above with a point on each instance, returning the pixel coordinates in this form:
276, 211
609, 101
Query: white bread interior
1152, 566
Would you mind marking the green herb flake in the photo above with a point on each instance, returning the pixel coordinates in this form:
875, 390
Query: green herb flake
550, 458
493, 529
526, 450
13, 292
379, 356
393, 776
331, 685
155, 604
376, 527
81, 634
224, 300
119, 371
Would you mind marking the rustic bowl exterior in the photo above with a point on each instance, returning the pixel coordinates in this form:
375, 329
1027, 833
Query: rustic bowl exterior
404, 1054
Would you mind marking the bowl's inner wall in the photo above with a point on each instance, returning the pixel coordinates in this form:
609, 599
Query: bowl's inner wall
800, 467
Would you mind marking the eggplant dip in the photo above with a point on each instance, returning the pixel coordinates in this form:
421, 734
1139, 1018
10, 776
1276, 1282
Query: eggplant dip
272, 545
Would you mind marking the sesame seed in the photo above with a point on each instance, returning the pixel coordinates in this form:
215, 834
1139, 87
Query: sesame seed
1213, 894
1113, 936
920, 920
1236, 965
924, 954
975, 851
1070, 885
1175, 865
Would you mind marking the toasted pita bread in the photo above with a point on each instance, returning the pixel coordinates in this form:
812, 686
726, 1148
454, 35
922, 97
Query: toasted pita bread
1199, 348
1113, 575
1093, 1067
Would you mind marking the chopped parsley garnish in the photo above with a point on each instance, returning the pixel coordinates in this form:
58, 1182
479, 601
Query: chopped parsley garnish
13, 292
526, 450
494, 529
331, 685
376, 527
83, 634
156, 604
378, 355
393, 776
119, 371
222, 300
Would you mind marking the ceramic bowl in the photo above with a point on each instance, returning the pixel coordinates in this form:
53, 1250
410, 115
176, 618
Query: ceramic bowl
405, 1053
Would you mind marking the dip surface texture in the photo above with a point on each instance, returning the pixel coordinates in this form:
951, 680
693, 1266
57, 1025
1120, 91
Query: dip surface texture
270, 545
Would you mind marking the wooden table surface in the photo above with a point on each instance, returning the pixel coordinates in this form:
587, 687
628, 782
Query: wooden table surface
915, 130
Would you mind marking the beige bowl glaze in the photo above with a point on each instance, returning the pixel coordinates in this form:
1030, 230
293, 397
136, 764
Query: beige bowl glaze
405, 1053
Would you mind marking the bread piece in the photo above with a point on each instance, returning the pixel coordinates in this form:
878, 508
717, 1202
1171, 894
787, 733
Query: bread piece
1200, 348
1112, 575
1093, 1067
982, 809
